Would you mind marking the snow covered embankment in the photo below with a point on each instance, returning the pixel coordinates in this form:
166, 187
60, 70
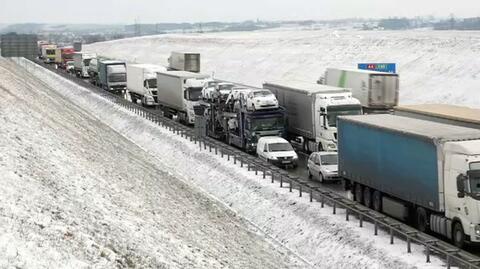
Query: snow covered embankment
74, 193
313, 233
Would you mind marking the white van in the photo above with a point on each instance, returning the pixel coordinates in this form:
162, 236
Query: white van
277, 150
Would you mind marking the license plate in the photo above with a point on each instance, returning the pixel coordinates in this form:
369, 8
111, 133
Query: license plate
285, 161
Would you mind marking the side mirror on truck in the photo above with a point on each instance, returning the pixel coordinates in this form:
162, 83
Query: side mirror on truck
461, 185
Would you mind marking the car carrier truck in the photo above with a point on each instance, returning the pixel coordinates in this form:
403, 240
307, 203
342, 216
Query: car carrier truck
178, 92
142, 83
418, 171
449, 114
376, 91
312, 112
229, 120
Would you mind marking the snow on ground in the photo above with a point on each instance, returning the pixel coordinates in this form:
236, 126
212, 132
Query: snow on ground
435, 66
311, 232
75, 193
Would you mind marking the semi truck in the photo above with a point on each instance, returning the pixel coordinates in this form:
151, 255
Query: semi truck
48, 53
178, 92
376, 91
418, 171
229, 120
142, 83
81, 63
312, 112
111, 75
63, 55
184, 61
449, 114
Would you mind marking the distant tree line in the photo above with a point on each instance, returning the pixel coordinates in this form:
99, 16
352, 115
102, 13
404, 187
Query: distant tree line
461, 24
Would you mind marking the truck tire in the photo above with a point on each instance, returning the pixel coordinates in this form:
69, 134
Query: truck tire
358, 192
133, 98
458, 236
421, 219
367, 197
377, 201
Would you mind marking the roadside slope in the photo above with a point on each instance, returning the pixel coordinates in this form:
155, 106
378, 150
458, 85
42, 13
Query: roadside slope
75, 194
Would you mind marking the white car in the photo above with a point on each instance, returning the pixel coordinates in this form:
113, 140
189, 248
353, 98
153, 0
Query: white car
69, 67
259, 99
209, 89
277, 151
323, 166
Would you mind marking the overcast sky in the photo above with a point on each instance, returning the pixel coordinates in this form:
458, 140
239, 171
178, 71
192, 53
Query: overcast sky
148, 11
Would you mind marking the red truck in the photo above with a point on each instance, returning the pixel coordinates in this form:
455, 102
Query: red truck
63, 55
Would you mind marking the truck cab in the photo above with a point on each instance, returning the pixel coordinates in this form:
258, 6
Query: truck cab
192, 94
329, 107
462, 190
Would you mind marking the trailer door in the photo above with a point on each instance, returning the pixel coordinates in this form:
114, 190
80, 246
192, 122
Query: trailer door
384, 90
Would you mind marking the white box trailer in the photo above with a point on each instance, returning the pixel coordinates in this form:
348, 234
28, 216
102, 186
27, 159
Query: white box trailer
178, 92
184, 61
81, 62
375, 90
142, 82
312, 111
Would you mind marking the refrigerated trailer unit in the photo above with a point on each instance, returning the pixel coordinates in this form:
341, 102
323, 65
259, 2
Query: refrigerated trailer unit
414, 170
449, 114
184, 61
178, 92
377, 91
312, 111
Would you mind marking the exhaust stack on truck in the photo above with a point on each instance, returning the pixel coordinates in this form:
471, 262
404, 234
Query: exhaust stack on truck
416, 170
377, 91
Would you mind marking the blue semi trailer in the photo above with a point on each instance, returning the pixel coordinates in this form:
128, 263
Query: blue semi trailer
418, 171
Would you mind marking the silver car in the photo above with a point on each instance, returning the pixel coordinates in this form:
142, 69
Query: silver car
323, 166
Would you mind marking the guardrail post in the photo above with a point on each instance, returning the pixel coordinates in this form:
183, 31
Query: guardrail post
334, 207
248, 166
264, 172
322, 201
448, 261
346, 214
311, 194
428, 253
221, 153
376, 227
234, 159
391, 236
409, 249
281, 181
216, 150
300, 192
360, 220
255, 167
290, 185
241, 161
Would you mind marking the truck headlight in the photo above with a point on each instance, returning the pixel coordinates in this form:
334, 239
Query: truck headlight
477, 229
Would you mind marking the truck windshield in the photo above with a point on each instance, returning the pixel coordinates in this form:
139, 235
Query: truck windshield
267, 124
274, 147
86, 62
117, 77
475, 178
194, 94
334, 111
151, 83
330, 159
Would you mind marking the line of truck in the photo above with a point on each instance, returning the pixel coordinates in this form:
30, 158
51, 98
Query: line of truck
419, 164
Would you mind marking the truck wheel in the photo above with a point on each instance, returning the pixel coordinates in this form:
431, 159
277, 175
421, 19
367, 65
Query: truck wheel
367, 197
377, 201
458, 235
133, 98
421, 219
358, 193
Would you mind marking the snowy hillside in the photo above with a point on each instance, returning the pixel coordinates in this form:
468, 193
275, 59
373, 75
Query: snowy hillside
434, 66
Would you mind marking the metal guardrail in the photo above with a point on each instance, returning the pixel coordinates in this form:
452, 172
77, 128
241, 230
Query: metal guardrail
431, 246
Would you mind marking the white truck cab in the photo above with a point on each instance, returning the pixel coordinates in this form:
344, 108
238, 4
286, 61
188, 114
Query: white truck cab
277, 151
